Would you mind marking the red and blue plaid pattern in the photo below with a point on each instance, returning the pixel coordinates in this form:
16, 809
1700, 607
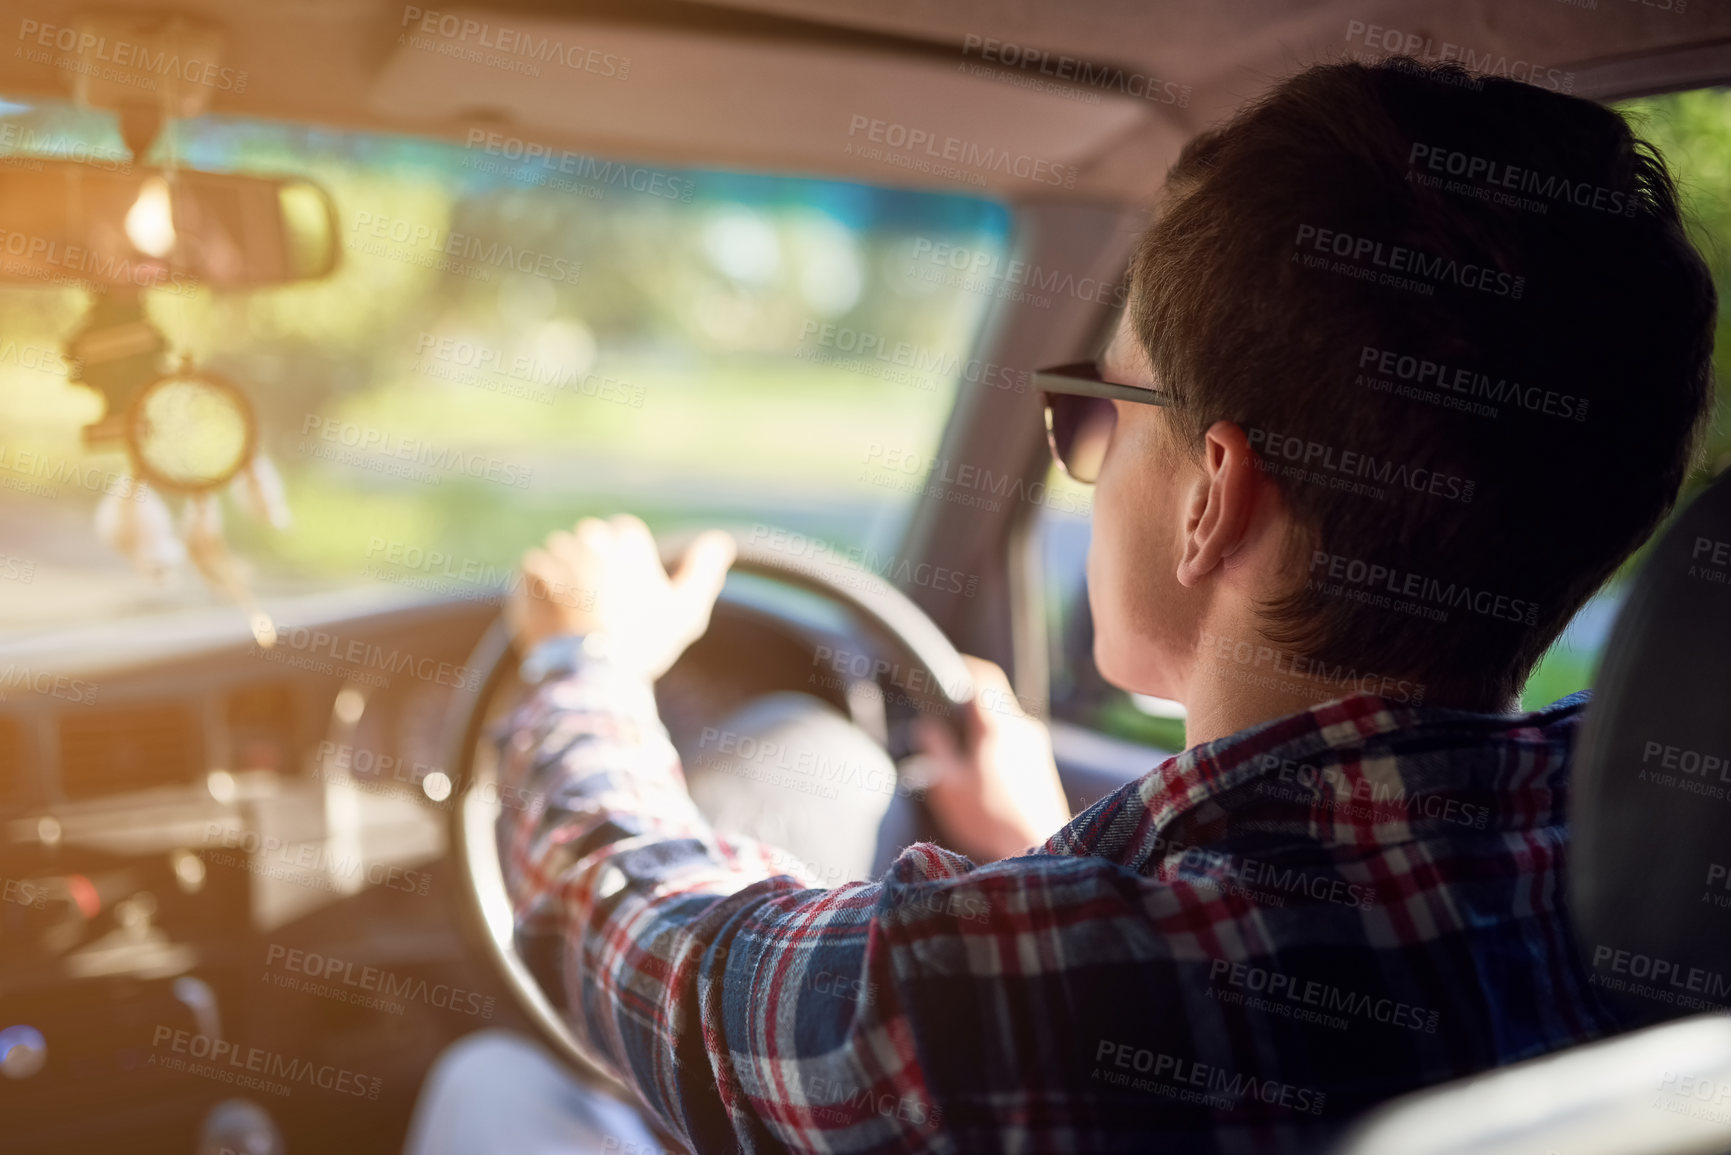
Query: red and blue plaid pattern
1240, 950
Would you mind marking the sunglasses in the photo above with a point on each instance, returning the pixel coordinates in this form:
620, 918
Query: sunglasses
1080, 415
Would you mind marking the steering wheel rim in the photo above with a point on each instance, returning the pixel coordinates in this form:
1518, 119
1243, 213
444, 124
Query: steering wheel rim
485, 909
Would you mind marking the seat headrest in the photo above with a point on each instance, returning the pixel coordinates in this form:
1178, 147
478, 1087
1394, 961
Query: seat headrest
1650, 804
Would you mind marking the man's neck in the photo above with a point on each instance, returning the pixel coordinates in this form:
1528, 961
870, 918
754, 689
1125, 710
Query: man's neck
1239, 679
1220, 703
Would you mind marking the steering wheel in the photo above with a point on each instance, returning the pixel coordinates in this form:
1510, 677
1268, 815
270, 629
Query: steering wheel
485, 907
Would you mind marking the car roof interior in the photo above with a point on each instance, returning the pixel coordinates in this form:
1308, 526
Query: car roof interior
773, 85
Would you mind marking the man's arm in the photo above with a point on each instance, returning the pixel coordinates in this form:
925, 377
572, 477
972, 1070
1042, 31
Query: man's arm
945, 1007
629, 904
687, 956
744, 1004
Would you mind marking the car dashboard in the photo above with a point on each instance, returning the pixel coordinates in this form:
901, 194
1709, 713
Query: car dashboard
185, 812
223, 864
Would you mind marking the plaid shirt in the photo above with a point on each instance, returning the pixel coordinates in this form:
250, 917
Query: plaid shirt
1237, 951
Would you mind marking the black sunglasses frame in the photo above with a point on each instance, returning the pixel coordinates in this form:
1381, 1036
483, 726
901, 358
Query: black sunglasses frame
1082, 379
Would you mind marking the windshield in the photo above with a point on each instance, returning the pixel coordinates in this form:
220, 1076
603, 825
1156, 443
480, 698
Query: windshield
515, 336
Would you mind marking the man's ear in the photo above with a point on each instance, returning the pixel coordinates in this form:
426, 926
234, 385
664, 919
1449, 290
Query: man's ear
1221, 502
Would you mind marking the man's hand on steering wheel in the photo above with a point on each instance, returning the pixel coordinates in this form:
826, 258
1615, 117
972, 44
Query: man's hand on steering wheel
994, 797
606, 578
999, 794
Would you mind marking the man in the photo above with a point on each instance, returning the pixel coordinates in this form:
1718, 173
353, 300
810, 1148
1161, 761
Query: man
1401, 423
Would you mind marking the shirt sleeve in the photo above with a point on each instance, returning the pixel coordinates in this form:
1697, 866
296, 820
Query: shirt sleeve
937, 1008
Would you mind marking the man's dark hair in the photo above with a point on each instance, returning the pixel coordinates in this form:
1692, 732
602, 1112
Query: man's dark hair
1492, 387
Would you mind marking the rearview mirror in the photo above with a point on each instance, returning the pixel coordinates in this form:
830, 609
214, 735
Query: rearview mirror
66, 221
